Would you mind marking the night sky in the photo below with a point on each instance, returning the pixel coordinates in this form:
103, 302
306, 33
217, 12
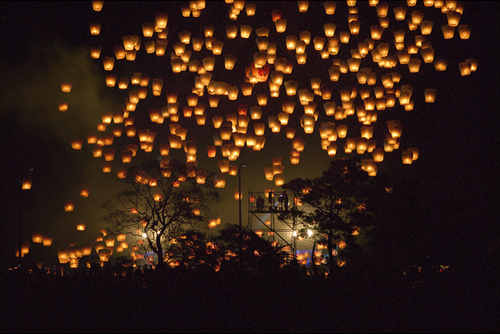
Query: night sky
47, 43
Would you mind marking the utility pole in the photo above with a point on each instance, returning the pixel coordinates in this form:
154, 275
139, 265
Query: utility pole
239, 190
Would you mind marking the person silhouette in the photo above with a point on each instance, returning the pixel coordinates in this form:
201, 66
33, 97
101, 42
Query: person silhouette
260, 203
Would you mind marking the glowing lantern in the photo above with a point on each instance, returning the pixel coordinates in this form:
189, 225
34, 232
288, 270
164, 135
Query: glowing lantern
465, 68
378, 154
104, 254
84, 192
341, 130
106, 167
108, 63
414, 151
69, 205
66, 87
279, 179
400, 13
95, 52
407, 157
161, 20
427, 55
453, 18
303, 6
414, 65
97, 5
448, 31
80, 227
464, 31
369, 166
26, 183
426, 27
376, 32
430, 95
63, 256
37, 238
269, 174
260, 74
47, 241
220, 181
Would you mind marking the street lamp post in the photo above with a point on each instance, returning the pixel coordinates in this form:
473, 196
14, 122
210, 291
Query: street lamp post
239, 190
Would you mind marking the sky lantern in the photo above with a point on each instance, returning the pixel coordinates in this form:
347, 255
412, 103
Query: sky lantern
37, 238
47, 241
161, 20
268, 173
453, 18
430, 95
69, 205
95, 52
448, 31
104, 254
378, 154
63, 107
261, 74
414, 151
66, 87
279, 179
407, 157
84, 191
108, 63
26, 183
77, 143
464, 31
220, 180
63, 256
465, 68
95, 28
97, 5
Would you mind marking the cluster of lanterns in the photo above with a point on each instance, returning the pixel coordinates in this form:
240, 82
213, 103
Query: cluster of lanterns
374, 58
356, 73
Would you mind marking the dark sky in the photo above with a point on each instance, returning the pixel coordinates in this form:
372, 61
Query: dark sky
47, 43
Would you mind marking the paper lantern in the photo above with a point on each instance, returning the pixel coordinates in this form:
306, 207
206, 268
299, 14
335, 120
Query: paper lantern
97, 5
465, 68
26, 183
279, 179
106, 167
342, 130
430, 95
303, 6
69, 205
414, 151
427, 55
464, 31
298, 144
453, 18
108, 63
407, 157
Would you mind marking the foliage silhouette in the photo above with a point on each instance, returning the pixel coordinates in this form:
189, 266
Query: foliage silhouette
333, 208
162, 199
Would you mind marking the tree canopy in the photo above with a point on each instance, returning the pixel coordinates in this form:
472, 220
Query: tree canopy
333, 207
161, 200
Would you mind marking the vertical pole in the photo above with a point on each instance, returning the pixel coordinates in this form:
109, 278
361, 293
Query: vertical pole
239, 192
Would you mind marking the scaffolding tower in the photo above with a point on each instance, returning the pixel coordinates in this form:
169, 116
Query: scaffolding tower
263, 209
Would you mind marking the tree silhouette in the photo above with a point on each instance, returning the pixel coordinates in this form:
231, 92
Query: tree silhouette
334, 207
162, 199
243, 251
